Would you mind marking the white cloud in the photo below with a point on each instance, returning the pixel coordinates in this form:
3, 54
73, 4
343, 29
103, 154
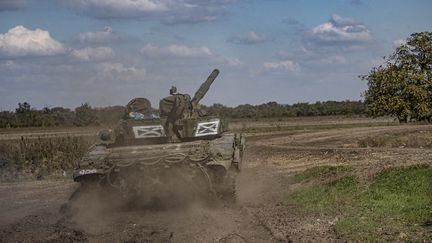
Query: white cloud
235, 62
113, 6
97, 53
338, 59
119, 72
20, 41
247, 38
104, 36
340, 29
287, 65
175, 51
166, 11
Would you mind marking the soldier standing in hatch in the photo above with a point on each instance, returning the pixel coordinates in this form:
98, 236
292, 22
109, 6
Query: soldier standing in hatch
171, 125
137, 109
173, 90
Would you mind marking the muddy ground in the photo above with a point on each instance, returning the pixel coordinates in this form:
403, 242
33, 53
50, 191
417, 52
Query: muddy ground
30, 211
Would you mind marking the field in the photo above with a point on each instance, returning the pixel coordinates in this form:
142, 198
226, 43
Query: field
318, 179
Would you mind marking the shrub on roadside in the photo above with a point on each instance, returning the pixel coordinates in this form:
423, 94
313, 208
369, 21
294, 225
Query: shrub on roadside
38, 157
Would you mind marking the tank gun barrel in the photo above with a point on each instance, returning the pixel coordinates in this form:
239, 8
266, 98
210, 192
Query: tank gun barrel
204, 87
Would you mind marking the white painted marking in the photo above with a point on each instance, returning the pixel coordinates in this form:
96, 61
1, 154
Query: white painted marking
88, 171
207, 128
148, 131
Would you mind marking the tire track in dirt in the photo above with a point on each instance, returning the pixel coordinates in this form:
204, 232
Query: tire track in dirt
338, 136
18, 200
285, 154
299, 151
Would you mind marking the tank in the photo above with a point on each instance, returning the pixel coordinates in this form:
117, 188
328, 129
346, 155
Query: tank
180, 152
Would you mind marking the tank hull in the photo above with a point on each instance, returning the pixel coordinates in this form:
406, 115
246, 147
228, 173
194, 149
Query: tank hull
186, 169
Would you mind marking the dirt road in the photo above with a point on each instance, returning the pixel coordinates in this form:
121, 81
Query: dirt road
29, 212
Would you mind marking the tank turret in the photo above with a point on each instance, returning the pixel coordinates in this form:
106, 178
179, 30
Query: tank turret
183, 117
177, 106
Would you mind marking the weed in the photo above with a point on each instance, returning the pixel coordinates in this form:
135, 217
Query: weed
396, 204
324, 171
323, 198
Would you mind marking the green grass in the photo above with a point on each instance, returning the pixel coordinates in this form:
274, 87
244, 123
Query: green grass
324, 171
396, 204
322, 198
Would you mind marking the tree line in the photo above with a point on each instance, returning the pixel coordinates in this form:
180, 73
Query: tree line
27, 116
275, 110
84, 115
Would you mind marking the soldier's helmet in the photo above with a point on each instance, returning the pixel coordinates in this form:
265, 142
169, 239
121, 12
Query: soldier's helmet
173, 90
140, 106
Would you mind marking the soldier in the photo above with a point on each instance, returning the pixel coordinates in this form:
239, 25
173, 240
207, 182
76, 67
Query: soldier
173, 90
137, 109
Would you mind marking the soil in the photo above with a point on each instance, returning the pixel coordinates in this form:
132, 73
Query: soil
30, 211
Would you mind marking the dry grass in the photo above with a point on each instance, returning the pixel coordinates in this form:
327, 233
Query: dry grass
39, 157
418, 139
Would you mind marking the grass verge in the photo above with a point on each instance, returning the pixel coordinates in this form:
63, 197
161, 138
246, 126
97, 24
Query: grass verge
395, 205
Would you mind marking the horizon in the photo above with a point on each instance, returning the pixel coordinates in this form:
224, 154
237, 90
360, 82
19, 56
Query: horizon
207, 105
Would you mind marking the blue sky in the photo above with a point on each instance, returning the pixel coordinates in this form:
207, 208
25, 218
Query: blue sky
64, 53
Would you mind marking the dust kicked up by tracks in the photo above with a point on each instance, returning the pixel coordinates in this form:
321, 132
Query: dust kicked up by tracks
100, 219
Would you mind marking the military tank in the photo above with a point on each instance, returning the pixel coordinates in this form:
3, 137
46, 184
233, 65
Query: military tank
181, 151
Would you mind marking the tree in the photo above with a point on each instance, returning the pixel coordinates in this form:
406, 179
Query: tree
85, 115
26, 117
23, 108
402, 87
